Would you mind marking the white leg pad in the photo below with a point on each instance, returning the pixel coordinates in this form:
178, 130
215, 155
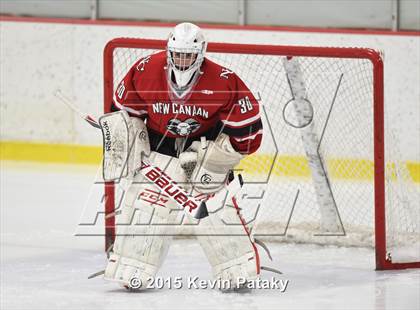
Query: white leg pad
228, 247
123, 270
141, 241
241, 267
139, 250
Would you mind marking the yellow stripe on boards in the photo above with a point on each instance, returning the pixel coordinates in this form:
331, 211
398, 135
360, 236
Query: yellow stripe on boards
253, 165
414, 168
50, 153
338, 168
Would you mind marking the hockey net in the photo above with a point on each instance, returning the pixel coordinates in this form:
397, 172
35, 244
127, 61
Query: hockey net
328, 170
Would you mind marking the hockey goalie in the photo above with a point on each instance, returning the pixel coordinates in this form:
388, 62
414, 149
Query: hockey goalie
195, 120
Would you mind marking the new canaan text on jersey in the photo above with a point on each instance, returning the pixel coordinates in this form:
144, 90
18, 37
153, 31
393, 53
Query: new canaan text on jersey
174, 108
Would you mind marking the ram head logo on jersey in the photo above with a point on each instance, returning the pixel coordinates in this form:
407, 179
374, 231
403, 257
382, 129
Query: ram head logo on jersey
183, 128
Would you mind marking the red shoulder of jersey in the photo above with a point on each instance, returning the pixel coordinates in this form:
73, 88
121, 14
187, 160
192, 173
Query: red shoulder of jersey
240, 113
127, 95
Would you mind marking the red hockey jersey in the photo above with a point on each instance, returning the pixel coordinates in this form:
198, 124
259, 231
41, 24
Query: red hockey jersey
219, 102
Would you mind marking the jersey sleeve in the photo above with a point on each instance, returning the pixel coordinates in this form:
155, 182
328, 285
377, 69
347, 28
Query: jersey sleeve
241, 118
126, 96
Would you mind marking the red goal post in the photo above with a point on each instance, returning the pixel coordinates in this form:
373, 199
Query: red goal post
128, 46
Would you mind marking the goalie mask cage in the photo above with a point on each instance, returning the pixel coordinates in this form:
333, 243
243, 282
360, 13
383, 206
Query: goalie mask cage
328, 170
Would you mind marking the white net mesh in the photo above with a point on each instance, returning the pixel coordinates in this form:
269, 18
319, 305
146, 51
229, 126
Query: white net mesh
281, 202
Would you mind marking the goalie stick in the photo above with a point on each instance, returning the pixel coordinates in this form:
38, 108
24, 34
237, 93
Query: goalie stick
190, 205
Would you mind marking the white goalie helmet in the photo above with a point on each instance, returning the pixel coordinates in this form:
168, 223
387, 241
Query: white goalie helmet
185, 54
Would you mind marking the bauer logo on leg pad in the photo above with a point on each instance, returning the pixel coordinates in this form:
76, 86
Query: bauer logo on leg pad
170, 187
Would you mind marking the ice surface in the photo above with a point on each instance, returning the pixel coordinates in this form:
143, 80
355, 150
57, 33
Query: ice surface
44, 266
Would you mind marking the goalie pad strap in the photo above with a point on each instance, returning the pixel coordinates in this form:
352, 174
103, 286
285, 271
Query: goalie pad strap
257, 256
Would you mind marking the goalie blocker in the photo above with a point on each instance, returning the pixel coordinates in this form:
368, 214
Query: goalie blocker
125, 140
